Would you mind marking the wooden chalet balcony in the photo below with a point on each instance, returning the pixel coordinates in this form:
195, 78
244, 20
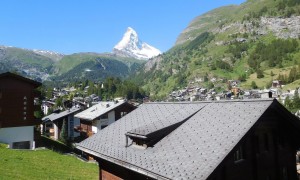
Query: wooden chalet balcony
83, 131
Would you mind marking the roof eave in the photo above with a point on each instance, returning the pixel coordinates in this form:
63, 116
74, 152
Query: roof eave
123, 164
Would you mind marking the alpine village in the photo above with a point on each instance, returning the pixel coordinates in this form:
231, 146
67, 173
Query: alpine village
222, 104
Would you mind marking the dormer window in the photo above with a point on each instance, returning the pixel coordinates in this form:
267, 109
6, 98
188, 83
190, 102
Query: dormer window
149, 134
142, 142
239, 154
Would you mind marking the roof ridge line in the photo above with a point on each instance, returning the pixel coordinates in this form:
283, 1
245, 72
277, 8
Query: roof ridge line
220, 101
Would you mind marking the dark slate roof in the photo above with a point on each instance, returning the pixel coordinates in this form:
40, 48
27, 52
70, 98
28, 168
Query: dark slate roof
155, 123
191, 151
56, 116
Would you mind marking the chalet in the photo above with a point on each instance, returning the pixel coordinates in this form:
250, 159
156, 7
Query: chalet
277, 84
53, 123
101, 115
17, 109
253, 139
46, 105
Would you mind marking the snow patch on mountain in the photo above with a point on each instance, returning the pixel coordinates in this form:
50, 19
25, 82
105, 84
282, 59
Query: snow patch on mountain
132, 46
50, 54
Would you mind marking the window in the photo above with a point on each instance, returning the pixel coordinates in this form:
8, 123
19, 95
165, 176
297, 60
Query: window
103, 126
139, 142
285, 173
21, 145
239, 154
123, 114
104, 116
266, 142
25, 103
256, 144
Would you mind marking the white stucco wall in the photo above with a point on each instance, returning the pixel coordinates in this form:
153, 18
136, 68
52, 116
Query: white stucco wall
55, 131
103, 122
111, 117
17, 134
96, 126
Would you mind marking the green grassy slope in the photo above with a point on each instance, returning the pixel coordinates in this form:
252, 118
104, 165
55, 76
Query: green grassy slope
94, 67
25, 56
43, 164
210, 48
69, 62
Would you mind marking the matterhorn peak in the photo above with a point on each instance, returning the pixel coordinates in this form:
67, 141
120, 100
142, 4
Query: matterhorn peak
132, 46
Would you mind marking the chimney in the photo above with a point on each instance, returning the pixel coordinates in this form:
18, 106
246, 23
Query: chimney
270, 94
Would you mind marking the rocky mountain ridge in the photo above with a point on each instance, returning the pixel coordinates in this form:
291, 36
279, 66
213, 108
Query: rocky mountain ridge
131, 46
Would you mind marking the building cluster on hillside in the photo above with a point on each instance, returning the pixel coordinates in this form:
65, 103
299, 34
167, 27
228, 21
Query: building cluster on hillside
82, 116
197, 93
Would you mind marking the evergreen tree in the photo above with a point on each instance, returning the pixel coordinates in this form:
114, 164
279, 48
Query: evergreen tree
288, 103
253, 85
260, 73
49, 93
64, 133
293, 75
296, 100
58, 102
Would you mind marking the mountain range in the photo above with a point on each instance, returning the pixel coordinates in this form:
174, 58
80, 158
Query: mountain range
257, 41
127, 56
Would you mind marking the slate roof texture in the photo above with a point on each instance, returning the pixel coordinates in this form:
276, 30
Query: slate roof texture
192, 151
56, 116
98, 110
173, 118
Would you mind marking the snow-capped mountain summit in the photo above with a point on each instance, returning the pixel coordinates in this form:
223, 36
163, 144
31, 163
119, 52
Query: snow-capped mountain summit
131, 46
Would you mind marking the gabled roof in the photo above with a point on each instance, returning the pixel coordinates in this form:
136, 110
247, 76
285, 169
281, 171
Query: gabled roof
191, 151
9, 74
98, 110
155, 124
56, 116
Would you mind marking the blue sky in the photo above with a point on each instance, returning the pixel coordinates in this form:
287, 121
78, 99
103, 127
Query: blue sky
70, 26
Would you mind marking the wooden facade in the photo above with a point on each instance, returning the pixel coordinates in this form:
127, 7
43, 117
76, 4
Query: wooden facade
268, 151
17, 107
17, 101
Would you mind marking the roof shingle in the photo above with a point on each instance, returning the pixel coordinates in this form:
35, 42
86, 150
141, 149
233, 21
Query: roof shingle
192, 151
